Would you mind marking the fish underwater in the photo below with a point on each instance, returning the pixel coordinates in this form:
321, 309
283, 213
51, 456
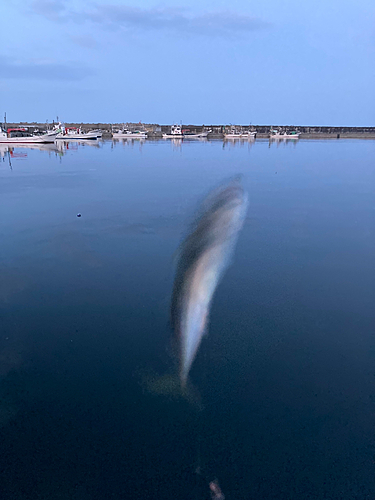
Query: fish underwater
203, 257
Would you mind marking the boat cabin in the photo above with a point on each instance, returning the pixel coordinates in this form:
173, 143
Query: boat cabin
18, 132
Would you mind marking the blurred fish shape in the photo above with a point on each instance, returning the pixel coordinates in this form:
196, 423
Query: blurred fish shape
203, 257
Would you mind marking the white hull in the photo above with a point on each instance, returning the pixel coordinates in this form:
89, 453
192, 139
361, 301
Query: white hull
129, 136
285, 136
238, 133
202, 135
35, 139
98, 133
240, 136
89, 136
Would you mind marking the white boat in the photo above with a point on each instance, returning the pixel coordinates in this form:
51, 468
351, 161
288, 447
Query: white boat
176, 133
76, 134
22, 136
290, 135
186, 134
98, 132
129, 134
239, 134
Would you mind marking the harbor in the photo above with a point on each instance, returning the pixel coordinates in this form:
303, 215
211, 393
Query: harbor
143, 131
186, 285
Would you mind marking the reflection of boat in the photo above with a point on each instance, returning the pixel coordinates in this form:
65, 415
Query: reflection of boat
65, 144
11, 153
20, 151
76, 134
129, 141
129, 134
275, 134
186, 134
4, 150
23, 136
176, 133
241, 143
91, 144
40, 147
235, 133
176, 143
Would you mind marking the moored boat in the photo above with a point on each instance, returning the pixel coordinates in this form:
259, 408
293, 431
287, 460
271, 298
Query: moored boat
235, 133
98, 132
186, 134
129, 134
275, 134
176, 133
23, 136
76, 134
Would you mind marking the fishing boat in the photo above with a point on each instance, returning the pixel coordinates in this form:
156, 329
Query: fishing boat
176, 133
23, 135
129, 134
248, 134
235, 133
76, 134
275, 134
98, 132
186, 134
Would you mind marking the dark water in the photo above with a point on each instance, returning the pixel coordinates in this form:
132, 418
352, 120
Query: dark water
286, 374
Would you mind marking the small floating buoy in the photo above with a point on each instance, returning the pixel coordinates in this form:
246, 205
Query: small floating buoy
79, 215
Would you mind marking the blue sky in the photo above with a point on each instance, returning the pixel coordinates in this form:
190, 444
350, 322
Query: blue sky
299, 62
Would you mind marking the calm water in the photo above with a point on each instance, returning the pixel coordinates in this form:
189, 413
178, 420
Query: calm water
286, 374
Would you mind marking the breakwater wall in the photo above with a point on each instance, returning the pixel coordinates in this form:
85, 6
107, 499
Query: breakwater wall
156, 130
307, 132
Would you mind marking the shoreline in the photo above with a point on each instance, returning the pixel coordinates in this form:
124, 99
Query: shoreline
156, 130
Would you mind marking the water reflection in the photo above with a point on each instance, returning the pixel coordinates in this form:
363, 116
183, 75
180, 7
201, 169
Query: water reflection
281, 141
238, 143
128, 142
20, 152
13, 150
176, 144
63, 145
58, 149
199, 139
239, 139
128, 139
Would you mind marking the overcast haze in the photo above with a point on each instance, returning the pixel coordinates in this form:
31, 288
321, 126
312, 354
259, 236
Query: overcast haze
266, 62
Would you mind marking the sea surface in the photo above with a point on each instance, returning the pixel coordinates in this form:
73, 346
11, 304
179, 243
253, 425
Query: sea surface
285, 376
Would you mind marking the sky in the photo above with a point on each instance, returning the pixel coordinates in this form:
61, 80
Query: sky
296, 62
